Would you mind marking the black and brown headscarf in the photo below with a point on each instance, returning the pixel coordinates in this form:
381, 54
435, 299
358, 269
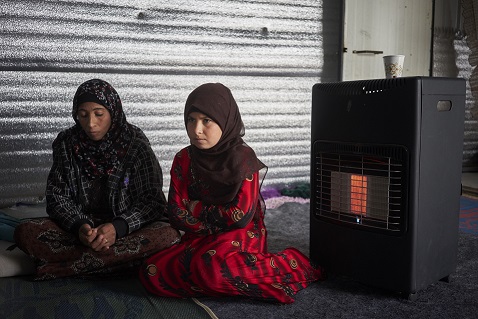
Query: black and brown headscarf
99, 158
222, 168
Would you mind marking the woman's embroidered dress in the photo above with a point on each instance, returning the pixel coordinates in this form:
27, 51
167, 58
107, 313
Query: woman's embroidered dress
134, 191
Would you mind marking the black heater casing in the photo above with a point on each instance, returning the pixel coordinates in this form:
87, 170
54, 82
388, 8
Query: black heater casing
425, 117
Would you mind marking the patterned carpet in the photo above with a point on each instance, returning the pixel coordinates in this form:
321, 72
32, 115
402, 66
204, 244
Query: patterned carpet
469, 215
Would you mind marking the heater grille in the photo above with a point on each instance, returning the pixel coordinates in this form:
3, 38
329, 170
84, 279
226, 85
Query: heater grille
361, 185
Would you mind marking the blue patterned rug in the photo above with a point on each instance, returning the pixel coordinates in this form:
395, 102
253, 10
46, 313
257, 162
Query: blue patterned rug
469, 215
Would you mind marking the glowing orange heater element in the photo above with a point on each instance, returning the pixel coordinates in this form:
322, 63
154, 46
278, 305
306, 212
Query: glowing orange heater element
358, 194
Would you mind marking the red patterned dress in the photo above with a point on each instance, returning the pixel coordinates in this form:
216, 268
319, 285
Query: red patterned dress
224, 249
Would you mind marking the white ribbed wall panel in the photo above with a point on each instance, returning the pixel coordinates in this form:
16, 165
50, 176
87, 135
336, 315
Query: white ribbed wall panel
154, 53
454, 50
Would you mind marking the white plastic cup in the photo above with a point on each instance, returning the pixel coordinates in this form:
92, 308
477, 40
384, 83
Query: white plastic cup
393, 65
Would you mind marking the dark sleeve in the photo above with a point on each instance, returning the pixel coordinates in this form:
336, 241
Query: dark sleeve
141, 189
121, 227
61, 190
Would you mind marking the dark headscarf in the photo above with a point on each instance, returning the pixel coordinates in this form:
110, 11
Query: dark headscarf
222, 168
99, 158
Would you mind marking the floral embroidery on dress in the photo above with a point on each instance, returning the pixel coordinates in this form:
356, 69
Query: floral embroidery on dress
129, 245
88, 262
56, 241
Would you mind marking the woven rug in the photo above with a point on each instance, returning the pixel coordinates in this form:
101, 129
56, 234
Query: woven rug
469, 215
104, 298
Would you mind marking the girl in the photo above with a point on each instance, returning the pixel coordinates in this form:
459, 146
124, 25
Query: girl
214, 198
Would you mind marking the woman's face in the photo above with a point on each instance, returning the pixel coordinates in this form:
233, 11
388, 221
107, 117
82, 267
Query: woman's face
95, 120
203, 132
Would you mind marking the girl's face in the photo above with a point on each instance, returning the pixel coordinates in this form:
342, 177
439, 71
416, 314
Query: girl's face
95, 120
203, 132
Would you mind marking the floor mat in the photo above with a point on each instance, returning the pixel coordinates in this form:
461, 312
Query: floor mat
76, 298
469, 215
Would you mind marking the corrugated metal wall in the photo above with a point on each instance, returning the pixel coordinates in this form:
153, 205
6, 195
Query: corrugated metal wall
469, 46
154, 53
451, 58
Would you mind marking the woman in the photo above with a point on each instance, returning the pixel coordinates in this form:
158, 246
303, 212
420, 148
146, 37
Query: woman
214, 199
104, 194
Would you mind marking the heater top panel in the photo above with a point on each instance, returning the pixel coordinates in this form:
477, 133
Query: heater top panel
381, 111
426, 85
